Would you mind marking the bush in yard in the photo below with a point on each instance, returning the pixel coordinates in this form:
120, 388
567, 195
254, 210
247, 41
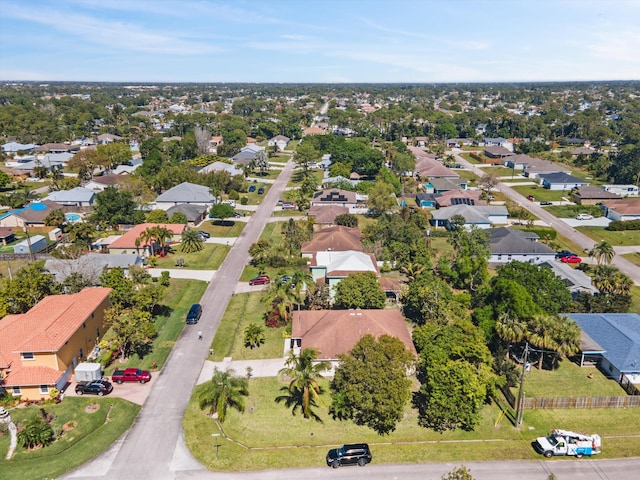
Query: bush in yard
233, 195
617, 226
244, 200
36, 432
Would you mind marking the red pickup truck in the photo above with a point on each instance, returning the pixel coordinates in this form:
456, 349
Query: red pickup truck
131, 375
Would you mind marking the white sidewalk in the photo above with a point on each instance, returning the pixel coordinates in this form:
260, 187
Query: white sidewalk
206, 275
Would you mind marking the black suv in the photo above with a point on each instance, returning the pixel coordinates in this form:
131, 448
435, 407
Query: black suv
352, 454
194, 314
97, 387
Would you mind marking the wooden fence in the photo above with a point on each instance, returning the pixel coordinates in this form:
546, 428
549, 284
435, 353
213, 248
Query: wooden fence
573, 402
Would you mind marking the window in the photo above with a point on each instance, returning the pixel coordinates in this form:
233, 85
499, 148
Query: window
97, 334
28, 356
16, 391
44, 389
81, 353
84, 325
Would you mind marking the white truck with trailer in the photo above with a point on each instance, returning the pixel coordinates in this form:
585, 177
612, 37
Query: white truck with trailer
564, 442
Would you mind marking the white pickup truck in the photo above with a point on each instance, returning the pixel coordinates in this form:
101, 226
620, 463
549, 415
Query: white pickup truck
567, 443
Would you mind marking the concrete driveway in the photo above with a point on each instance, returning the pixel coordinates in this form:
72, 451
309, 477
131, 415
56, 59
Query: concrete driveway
132, 391
594, 222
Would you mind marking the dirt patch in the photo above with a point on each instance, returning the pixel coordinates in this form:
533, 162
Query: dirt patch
92, 408
69, 425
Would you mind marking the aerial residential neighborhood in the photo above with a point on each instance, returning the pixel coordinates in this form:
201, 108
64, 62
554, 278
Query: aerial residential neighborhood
424, 280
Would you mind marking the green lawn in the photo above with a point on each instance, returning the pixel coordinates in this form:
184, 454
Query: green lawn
623, 238
272, 232
270, 174
261, 429
541, 194
296, 178
467, 175
574, 380
209, 258
505, 172
244, 309
93, 433
178, 298
570, 211
635, 299
633, 257
223, 228
469, 158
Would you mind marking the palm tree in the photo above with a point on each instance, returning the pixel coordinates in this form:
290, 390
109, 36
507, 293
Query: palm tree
611, 281
222, 391
253, 336
413, 270
510, 329
281, 296
36, 432
191, 241
146, 238
567, 338
603, 252
541, 334
300, 282
303, 390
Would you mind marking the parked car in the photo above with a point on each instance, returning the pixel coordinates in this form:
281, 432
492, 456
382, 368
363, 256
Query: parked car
351, 454
194, 314
531, 198
289, 206
571, 259
131, 375
584, 216
546, 203
204, 234
565, 253
95, 387
280, 201
230, 202
260, 190
237, 215
252, 188
260, 280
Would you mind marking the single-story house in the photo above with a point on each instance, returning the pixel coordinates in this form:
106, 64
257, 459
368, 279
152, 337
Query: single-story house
576, 280
15, 147
582, 151
127, 243
428, 167
426, 200
459, 197
194, 213
622, 210
325, 162
480, 216
508, 245
76, 197
332, 266
32, 244
500, 142
279, 141
618, 335
336, 238
591, 195
102, 244
222, 167
30, 215
328, 181
334, 332
441, 185
334, 196
459, 142
126, 169
6, 236
108, 138
561, 181
326, 214
58, 148
185, 193
496, 151
622, 190
103, 181
540, 167
244, 157
91, 266
39, 349
313, 131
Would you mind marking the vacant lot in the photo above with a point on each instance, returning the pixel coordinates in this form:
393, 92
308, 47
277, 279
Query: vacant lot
541, 194
209, 258
622, 238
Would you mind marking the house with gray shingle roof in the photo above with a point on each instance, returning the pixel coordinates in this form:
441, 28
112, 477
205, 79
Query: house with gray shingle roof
194, 213
279, 141
76, 197
508, 245
591, 195
91, 266
480, 216
185, 193
561, 181
576, 280
619, 336
222, 167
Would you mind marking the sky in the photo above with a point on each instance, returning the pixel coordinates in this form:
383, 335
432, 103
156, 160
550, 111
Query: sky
328, 41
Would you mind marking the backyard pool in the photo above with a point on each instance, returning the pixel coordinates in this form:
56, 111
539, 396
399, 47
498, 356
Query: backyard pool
73, 217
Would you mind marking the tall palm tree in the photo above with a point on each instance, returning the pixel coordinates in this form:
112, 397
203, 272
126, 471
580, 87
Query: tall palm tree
603, 252
510, 329
191, 241
542, 328
304, 389
611, 281
222, 391
567, 338
301, 280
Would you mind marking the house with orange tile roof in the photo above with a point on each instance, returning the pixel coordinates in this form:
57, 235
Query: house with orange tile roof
40, 349
313, 131
127, 242
334, 332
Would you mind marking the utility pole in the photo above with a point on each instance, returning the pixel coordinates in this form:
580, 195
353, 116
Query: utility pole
519, 409
28, 242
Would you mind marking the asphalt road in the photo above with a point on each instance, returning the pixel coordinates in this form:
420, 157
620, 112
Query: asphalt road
561, 227
154, 448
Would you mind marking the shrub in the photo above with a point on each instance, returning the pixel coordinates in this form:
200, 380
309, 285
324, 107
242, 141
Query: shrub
617, 226
244, 200
543, 233
234, 195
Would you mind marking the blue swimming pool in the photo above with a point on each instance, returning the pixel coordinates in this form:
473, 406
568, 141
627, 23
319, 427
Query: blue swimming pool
73, 217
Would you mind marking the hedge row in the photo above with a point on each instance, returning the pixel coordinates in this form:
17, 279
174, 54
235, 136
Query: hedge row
617, 226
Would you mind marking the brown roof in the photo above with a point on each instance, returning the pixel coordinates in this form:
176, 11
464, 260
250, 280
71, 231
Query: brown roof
128, 240
313, 131
62, 147
389, 284
627, 206
428, 166
326, 214
497, 151
334, 195
334, 332
594, 192
37, 216
5, 232
110, 179
453, 197
336, 238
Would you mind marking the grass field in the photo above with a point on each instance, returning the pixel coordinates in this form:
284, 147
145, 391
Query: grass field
541, 194
226, 228
570, 211
209, 258
178, 298
244, 309
633, 257
622, 238
467, 175
268, 428
93, 433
